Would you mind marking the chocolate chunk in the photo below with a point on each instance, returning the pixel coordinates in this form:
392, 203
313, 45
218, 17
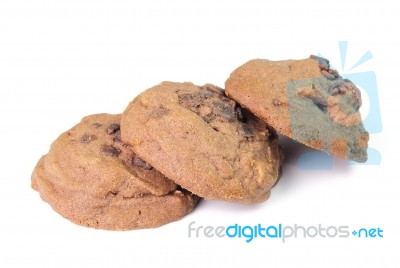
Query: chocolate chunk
207, 94
213, 89
209, 118
325, 68
323, 107
209, 105
111, 129
246, 132
140, 163
117, 135
161, 111
87, 138
347, 87
323, 63
328, 75
191, 100
109, 150
334, 72
320, 102
223, 109
183, 98
334, 89
239, 114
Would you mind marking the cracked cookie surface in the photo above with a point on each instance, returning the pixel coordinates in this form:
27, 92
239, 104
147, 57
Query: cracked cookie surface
203, 141
94, 179
305, 100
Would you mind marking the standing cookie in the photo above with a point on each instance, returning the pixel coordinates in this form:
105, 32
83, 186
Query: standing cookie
203, 141
92, 178
306, 101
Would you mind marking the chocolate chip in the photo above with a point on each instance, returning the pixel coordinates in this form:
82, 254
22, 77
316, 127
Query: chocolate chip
273, 135
184, 98
96, 125
334, 72
328, 75
117, 135
111, 129
239, 114
343, 89
209, 117
213, 89
246, 132
109, 150
321, 106
320, 102
323, 67
190, 100
161, 111
347, 87
323, 63
223, 109
338, 88
334, 89
207, 94
87, 138
208, 105
140, 163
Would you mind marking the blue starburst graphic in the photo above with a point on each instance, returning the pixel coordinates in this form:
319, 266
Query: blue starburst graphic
372, 122
367, 81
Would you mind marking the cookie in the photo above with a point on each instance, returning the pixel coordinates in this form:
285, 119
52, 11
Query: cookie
305, 100
203, 141
92, 178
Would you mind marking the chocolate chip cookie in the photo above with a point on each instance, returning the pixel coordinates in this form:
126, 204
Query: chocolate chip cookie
94, 179
305, 100
203, 141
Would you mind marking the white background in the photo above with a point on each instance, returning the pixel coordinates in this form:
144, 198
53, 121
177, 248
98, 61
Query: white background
61, 60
